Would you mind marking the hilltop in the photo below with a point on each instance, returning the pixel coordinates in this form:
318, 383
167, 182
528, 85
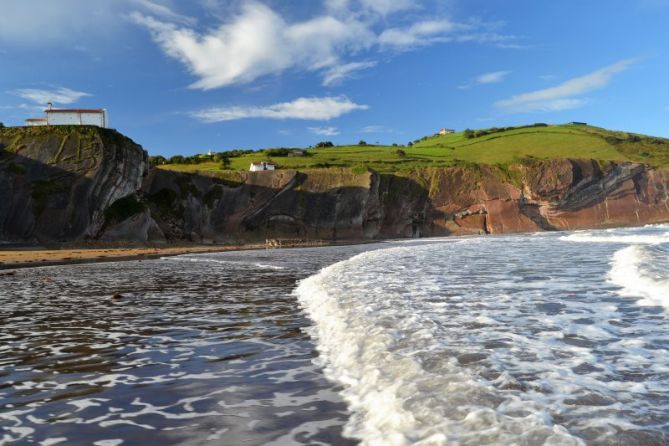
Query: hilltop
495, 146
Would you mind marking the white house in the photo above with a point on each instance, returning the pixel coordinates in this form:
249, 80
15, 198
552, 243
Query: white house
446, 131
34, 122
264, 165
72, 116
77, 116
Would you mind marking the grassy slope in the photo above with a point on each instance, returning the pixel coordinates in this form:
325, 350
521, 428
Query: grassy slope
565, 141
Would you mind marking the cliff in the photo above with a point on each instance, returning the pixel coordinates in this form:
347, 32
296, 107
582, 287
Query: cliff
77, 183
335, 204
57, 182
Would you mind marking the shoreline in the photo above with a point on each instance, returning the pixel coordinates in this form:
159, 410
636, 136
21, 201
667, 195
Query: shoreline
12, 258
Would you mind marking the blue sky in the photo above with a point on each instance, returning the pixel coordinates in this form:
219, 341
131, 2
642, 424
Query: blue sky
186, 77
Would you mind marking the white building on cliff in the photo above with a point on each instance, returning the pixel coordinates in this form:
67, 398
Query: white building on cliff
72, 116
264, 165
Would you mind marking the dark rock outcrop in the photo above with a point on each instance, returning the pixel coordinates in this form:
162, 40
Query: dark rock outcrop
336, 204
57, 182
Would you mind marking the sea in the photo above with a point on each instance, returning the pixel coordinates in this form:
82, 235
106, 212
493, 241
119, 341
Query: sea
557, 338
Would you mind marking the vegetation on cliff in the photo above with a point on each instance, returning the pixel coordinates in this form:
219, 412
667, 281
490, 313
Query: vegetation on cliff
489, 146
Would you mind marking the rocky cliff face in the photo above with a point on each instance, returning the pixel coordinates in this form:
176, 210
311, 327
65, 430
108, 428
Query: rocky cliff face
338, 205
76, 183
57, 182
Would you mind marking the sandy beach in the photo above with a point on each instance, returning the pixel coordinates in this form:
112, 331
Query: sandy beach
31, 257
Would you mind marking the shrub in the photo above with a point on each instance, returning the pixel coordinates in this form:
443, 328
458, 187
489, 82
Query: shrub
157, 160
468, 133
360, 169
400, 153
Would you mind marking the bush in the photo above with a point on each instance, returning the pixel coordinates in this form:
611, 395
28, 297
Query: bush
157, 160
277, 152
400, 153
360, 169
468, 133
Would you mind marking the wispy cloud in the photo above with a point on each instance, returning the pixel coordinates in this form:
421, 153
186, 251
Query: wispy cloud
339, 73
492, 78
324, 131
57, 96
325, 44
419, 34
563, 96
164, 12
316, 109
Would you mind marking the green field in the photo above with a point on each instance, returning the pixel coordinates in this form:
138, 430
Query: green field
499, 147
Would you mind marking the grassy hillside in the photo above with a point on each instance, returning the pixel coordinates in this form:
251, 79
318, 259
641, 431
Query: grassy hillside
491, 146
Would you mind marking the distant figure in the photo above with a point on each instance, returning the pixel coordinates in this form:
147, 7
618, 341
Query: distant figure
263, 165
446, 131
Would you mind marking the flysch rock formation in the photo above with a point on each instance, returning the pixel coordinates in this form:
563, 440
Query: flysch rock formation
57, 182
78, 183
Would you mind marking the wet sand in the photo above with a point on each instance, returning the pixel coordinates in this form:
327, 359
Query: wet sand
31, 257
28, 257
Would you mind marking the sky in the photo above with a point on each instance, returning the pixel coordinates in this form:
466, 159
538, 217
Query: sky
186, 77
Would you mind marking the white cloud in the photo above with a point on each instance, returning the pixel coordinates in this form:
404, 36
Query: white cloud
324, 131
373, 129
255, 40
316, 109
491, 78
383, 7
57, 96
164, 12
338, 73
78, 22
561, 97
419, 34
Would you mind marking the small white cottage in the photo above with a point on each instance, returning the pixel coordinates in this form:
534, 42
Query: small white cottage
446, 131
264, 165
77, 116
71, 116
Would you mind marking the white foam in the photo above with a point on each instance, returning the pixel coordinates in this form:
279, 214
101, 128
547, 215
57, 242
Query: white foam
489, 342
629, 270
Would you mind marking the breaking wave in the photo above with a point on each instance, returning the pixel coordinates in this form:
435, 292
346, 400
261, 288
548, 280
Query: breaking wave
506, 340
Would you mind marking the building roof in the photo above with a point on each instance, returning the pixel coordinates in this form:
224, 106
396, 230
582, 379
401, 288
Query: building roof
75, 110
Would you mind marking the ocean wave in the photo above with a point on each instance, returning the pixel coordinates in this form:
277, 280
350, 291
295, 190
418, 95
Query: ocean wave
615, 237
198, 259
381, 349
641, 271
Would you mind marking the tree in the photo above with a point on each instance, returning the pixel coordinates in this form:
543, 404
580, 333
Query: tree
362, 142
468, 133
177, 159
410, 144
157, 160
225, 162
2, 126
324, 144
